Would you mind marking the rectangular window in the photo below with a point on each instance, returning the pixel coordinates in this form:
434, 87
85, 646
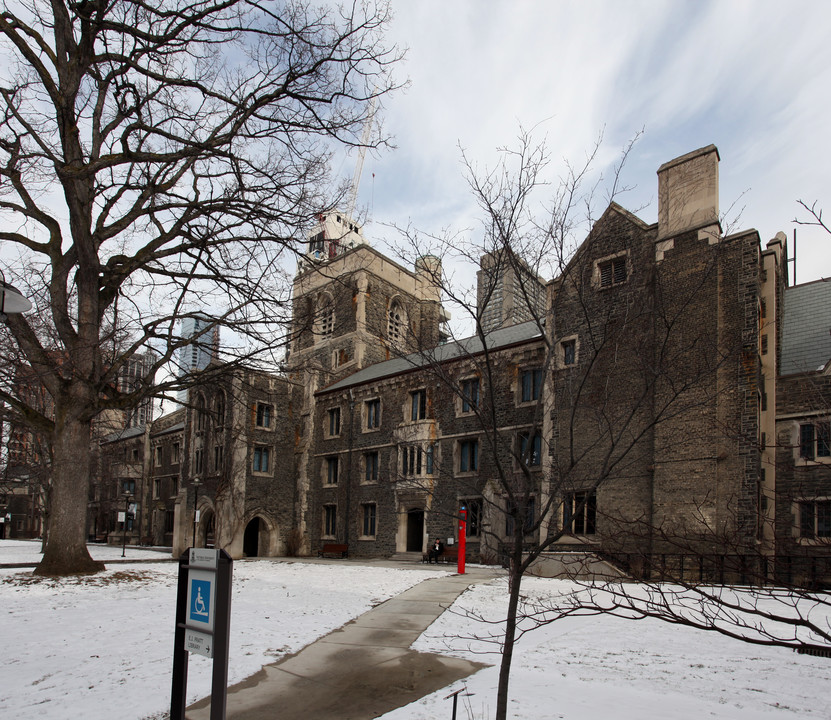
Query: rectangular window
530, 448
371, 467
823, 439
815, 519
418, 460
418, 405
369, 512
334, 422
330, 520
262, 458
764, 344
474, 516
806, 441
174, 455
373, 414
580, 513
470, 395
332, 471
531, 384
264, 415
197, 461
612, 272
159, 456
157, 488
569, 352
411, 459
219, 457
128, 486
468, 455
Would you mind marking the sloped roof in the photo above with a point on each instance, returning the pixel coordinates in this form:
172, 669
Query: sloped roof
504, 337
131, 432
806, 331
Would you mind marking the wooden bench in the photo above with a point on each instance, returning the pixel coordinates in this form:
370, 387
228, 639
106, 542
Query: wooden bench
448, 555
334, 549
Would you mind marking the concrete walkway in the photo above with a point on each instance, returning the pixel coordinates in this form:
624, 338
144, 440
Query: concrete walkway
362, 670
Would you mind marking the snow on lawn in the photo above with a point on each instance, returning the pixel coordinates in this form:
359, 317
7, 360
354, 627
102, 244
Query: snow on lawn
28, 551
101, 646
600, 667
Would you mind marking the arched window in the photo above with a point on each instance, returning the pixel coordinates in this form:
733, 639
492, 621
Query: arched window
219, 409
325, 317
396, 323
201, 415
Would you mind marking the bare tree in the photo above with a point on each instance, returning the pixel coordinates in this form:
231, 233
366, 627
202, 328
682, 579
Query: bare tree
157, 162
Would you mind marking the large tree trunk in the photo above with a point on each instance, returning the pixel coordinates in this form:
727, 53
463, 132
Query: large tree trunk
66, 547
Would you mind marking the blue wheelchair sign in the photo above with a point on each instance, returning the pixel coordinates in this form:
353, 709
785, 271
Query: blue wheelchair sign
200, 601
201, 596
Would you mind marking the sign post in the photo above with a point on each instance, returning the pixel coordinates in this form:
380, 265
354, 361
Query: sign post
460, 563
203, 613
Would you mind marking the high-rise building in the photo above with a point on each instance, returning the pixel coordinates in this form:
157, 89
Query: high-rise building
197, 354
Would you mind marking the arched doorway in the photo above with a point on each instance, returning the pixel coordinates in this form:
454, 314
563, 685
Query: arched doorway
251, 539
415, 530
207, 529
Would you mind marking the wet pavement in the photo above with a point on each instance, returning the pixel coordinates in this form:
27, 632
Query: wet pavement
362, 670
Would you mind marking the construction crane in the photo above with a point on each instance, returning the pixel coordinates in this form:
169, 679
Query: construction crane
352, 197
336, 231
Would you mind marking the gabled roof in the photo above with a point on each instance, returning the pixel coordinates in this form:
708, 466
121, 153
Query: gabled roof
498, 339
806, 331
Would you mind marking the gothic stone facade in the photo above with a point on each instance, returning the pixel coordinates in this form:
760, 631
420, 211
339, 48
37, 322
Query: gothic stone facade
633, 413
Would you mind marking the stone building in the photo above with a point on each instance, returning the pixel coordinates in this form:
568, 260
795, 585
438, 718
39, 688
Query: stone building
641, 411
26, 477
803, 436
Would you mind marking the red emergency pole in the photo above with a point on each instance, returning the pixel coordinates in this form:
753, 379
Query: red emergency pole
460, 567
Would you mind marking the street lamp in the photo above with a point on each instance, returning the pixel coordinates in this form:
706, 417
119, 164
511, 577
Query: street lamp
127, 496
196, 484
11, 300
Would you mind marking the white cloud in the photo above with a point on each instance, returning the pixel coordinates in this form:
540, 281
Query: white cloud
751, 77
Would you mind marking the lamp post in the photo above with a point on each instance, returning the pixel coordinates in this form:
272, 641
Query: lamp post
11, 300
127, 496
196, 484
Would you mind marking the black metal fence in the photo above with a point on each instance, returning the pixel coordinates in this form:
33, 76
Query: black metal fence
809, 572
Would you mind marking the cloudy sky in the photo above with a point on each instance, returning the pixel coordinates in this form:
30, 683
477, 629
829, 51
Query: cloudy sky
752, 77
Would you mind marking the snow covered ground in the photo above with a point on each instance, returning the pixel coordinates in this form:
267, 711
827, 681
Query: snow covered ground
100, 647
601, 667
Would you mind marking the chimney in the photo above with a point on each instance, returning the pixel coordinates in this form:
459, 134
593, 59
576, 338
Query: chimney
688, 194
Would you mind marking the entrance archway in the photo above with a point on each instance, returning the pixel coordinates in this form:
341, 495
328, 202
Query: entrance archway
251, 539
415, 530
207, 529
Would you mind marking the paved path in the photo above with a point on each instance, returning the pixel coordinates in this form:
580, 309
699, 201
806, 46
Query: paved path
362, 670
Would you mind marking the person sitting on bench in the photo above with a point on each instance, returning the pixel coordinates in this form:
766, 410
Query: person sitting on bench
435, 551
